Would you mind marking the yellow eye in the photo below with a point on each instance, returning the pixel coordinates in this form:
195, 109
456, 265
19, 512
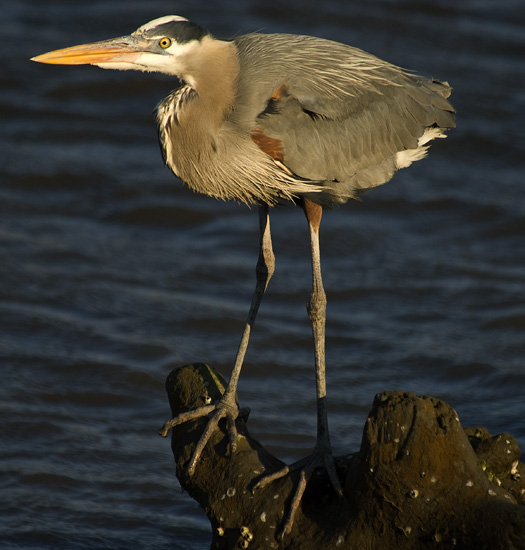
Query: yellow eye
165, 42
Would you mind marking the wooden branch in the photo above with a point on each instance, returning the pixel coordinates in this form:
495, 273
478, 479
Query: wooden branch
419, 481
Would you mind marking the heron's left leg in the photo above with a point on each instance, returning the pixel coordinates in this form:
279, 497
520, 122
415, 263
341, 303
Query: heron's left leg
227, 407
322, 455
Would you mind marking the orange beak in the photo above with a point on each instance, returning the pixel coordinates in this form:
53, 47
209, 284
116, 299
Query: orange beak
108, 51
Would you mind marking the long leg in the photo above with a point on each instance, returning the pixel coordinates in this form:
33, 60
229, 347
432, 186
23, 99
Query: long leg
316, 307
263, 272
227, 407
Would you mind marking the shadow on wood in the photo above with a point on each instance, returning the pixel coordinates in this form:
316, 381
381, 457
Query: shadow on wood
419, 481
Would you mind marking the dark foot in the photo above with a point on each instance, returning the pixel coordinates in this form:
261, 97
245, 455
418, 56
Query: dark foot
224, 408
307, 466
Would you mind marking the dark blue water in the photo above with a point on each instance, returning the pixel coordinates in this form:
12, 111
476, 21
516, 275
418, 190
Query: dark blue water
112, 273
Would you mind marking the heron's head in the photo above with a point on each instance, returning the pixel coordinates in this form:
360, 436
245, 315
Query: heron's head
163, 45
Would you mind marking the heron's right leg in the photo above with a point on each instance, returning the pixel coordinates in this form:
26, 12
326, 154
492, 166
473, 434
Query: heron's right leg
227, 407
322, 454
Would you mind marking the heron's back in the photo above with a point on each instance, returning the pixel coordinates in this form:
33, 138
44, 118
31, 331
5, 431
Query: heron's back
343, 117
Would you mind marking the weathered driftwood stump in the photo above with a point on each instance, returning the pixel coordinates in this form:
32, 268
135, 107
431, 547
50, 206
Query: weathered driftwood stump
419, 481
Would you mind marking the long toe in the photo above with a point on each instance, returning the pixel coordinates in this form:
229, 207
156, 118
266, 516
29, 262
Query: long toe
199, 412
306, 467
221, 409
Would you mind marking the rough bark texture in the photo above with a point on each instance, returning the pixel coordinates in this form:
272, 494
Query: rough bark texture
419, 481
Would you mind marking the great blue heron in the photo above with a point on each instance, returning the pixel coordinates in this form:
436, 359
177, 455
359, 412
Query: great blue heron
266, 118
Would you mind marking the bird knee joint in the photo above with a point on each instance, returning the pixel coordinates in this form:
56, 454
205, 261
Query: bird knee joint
316, 307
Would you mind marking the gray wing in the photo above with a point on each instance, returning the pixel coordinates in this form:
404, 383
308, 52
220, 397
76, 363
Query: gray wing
338, 114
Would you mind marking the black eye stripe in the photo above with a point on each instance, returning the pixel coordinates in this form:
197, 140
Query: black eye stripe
178, 31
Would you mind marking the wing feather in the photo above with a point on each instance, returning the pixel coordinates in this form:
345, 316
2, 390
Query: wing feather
341, 114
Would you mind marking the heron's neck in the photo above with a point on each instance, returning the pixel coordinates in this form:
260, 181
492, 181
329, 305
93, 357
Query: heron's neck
213, 75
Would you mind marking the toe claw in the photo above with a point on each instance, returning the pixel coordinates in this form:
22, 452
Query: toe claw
164, 430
